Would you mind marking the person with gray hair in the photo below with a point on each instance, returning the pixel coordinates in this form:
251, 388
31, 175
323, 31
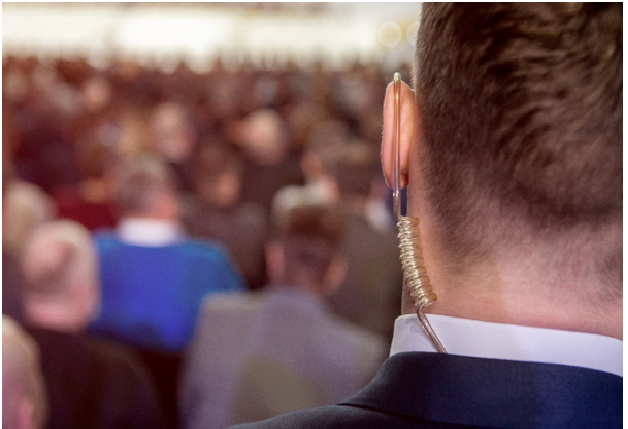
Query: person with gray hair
510, 146
154, 277
24, 400
91, 383
60, 270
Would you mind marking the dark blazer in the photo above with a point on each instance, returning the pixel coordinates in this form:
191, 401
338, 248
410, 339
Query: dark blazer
430, 390
95, 384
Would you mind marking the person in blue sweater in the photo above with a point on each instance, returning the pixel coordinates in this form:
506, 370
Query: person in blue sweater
153, 277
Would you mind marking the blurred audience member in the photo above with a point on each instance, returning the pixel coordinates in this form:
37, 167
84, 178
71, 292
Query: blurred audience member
153, 277
176, 140
216, 212
369, 294
265, 353
25, 206
90, 203
320, 147
12, 290
269, 167
91, 384
24, 401
12, 286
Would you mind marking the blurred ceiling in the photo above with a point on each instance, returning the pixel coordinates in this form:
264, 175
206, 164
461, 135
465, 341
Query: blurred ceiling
162, 34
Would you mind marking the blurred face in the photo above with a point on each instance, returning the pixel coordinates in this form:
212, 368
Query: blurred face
225, 192
228, 189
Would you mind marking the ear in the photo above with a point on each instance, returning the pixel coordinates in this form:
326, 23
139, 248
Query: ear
275, 261
408, 133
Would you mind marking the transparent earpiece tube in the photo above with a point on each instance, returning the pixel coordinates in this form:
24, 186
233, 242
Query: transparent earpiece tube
412, 265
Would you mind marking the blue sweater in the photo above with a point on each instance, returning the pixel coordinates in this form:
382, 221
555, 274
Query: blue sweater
151, 295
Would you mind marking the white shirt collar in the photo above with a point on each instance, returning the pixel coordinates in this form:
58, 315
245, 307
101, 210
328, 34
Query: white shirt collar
149, 232
503, 341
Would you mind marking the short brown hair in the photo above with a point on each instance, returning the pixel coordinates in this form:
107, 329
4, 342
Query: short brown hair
311, 236
521, 103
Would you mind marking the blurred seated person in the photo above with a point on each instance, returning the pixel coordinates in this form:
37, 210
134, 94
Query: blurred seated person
369, 294
269, 166
216, 212
24, 207
12, 300
176, 139
153, 277
316, 154
90, 202
91, 383
264, 353
24, 399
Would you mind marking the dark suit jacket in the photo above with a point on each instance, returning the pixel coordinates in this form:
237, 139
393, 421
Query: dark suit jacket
95, 384
430, 390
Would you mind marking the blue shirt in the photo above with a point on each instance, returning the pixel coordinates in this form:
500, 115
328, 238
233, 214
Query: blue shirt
151, 295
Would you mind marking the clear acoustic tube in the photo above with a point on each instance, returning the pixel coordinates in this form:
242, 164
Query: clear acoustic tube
414, 273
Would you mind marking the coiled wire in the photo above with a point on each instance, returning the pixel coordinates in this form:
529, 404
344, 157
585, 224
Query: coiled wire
414, 273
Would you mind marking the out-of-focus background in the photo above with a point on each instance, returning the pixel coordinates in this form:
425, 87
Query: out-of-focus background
160, 34
251, 108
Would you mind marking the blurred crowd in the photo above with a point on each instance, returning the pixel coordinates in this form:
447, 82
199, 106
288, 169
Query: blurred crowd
223, 151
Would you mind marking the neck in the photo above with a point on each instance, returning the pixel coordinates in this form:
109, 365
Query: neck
56, 317
521, 293
544, 284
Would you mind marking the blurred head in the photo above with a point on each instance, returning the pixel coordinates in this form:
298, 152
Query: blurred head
61, 280
24, 402
217, 174
304, 251
25, 206
264, 137
353, 166
146, 188
94, 160
174, 131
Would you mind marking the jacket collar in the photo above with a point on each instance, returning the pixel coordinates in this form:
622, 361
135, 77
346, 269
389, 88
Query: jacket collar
494, 393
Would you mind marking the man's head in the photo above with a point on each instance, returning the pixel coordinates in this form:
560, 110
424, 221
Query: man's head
264, 138
354, 166
217, 173
60, 271
512, 144
524, 103
304, 250
146, 189
24, 402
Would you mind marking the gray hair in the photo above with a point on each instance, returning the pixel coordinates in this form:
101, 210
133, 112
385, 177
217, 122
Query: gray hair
58, 253
141, 181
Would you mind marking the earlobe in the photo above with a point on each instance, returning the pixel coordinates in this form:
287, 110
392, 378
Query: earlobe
408, 132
